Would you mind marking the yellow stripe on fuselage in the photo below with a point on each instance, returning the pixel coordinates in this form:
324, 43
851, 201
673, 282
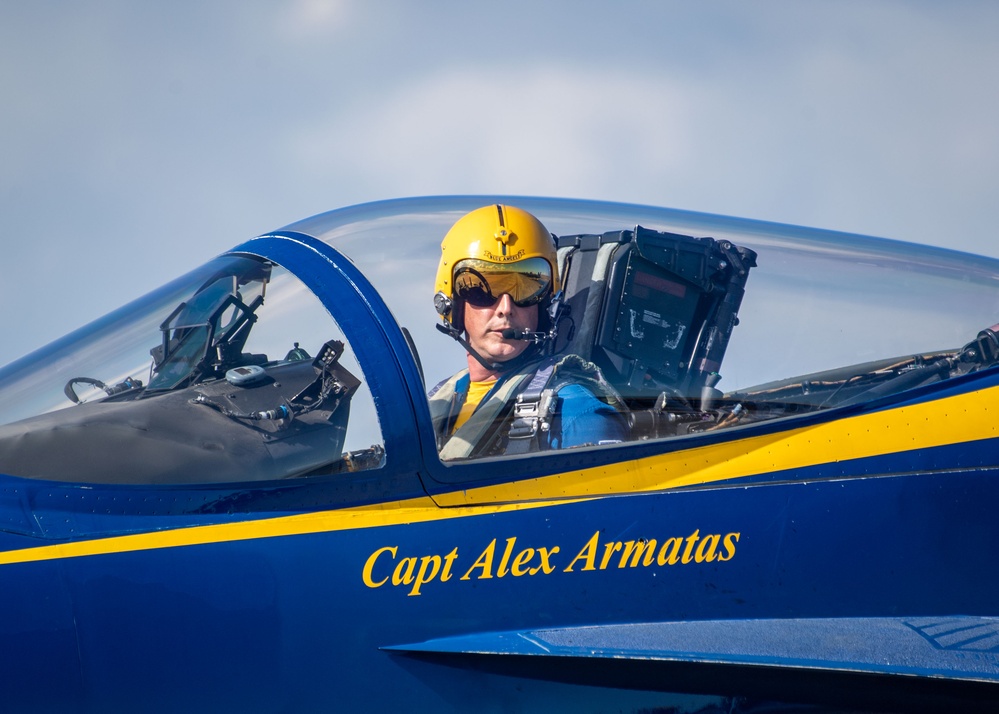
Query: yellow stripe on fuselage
955, 420
418, 510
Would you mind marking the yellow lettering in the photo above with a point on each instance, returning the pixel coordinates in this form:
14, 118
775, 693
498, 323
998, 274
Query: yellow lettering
422, 577
635, 550
673, 545
484, 561
609, 550
544, 554
729, 544
523, 558
587, 554
505, 560
688, 551
404, 571
369, 566
414, 572
448, 562
706, 549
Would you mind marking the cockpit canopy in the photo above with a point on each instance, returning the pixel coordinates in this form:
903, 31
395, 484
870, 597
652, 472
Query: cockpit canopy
266, 365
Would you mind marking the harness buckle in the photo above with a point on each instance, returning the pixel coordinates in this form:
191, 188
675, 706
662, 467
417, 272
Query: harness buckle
532, 414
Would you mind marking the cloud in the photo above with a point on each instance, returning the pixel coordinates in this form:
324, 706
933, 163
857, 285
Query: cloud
547, 130
835, 130
139, 140
310, 19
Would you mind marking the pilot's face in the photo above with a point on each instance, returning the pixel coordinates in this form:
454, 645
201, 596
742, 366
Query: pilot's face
485, 325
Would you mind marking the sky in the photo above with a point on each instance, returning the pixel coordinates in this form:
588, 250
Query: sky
138, 140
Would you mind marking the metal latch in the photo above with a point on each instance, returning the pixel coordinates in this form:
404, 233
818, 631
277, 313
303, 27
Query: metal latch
532, 415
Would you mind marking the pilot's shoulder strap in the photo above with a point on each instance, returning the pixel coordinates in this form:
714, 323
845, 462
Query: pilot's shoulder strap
492, 410
537, 404
532, 412
445, 388
445, 401
525, 402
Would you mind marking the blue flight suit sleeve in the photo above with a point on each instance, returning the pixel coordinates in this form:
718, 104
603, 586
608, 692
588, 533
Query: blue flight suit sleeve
581, 419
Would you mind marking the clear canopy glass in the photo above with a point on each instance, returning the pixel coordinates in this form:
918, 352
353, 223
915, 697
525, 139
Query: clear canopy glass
216, 377
816, 300
814, 320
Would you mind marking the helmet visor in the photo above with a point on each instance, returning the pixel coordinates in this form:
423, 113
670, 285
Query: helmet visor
482, 283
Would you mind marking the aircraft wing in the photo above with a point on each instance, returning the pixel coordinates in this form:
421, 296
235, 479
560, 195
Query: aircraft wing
932, 663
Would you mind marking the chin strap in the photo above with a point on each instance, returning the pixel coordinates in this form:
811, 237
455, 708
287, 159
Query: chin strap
455, 335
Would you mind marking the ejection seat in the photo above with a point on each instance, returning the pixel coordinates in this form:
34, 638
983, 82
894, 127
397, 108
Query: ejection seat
654, 311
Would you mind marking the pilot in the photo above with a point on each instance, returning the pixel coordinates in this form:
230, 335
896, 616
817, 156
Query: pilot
497, 292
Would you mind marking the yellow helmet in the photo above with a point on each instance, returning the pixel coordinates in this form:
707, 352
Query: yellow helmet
491, 251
